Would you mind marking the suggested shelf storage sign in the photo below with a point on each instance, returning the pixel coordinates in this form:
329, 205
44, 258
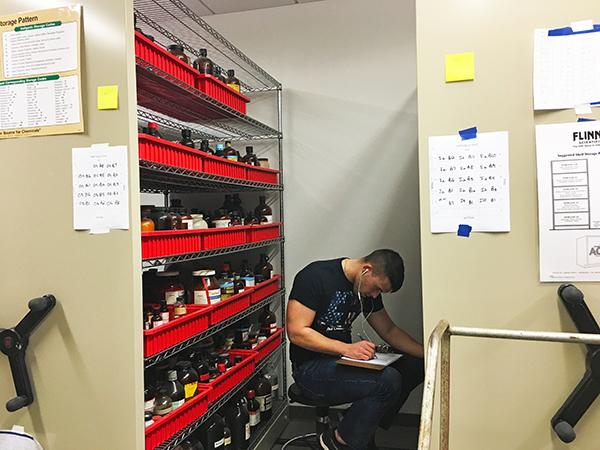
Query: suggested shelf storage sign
40, 78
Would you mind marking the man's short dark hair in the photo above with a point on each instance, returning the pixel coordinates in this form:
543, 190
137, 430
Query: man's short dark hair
389, 263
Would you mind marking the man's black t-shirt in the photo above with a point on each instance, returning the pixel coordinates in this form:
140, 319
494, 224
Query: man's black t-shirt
323, 287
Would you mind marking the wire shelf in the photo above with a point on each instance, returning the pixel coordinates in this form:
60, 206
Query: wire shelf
171, 129
157, 178
167, 353
172, 21
160, 91
157, 262
178, 438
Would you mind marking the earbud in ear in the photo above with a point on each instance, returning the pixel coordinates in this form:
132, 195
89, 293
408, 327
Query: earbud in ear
364, 271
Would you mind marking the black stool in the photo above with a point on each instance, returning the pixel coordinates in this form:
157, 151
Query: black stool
310, 440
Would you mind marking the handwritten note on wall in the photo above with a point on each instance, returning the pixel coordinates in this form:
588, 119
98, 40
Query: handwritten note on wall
100, 188
469, 182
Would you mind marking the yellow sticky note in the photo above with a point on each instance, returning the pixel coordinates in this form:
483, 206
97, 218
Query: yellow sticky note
460, 67
108, 97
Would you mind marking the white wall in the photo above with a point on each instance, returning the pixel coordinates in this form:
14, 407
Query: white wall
348, 68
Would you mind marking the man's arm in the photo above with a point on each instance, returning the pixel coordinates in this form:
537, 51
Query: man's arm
299, 320
394, 336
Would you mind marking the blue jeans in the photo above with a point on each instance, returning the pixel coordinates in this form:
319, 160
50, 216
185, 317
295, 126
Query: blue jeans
376, 396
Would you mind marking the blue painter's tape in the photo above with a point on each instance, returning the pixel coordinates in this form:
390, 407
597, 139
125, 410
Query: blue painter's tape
469, 133
464, 230
585, 119
566, 31
595, 103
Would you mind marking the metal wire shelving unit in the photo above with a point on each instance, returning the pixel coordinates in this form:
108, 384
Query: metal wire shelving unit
175, 105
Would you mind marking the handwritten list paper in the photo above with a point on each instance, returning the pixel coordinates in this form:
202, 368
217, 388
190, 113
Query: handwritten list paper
469, 182
100, 188
566, 70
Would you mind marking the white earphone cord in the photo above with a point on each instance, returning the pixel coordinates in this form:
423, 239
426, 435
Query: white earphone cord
362, 310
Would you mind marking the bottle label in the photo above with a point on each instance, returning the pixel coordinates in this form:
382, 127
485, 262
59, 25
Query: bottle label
190, 390
204, 377
248, 281
214, 295
165, 316
157, 323
200, 297
227, 441
219, 443
254, 418
274, 389
269, 219
232, 157
247, 430
225, 223
271, 274
149, 405
180, 311
234, 86
188, 224
171, 296
178, 403
264, 401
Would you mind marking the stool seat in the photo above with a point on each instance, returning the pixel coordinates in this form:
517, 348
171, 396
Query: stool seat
296, 395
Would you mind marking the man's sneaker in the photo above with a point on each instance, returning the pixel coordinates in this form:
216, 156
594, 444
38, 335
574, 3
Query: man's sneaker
329, 442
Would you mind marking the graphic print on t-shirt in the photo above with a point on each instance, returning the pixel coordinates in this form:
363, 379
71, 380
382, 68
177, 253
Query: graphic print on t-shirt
343, 308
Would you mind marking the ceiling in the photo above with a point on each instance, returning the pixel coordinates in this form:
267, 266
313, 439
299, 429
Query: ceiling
211, 7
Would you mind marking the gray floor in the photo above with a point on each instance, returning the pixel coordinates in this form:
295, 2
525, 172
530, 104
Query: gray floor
397, 437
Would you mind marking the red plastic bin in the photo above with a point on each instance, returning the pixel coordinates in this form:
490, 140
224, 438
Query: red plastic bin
264, 289
156, 244
167, 426
223, 237
263, 175
231, 306
268, 345
221, 92
154, 54
257, 233
234, 376
161, 151
178, 330
220, 166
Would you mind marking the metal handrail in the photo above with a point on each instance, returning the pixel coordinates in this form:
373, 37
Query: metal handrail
438, 349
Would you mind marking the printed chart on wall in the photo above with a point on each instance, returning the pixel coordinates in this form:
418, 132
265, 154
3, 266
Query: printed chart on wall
40, 77
469, 182
568, 169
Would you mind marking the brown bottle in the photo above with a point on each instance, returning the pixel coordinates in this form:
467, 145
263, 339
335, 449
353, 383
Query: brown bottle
232, 81
250, 157
153, 129
205, 147
268, 322
264, 210
263, 270
230, 153
186, 138
177, 50
219, 74
202, 64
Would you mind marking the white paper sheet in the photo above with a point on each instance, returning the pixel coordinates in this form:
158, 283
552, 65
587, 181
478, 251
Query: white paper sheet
566, 70
100, 188
469, 182
568, 172
380, 359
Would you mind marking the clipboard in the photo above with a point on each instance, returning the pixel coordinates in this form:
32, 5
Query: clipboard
379, 362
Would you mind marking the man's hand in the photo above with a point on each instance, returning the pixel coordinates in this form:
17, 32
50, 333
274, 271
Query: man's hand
360, 350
